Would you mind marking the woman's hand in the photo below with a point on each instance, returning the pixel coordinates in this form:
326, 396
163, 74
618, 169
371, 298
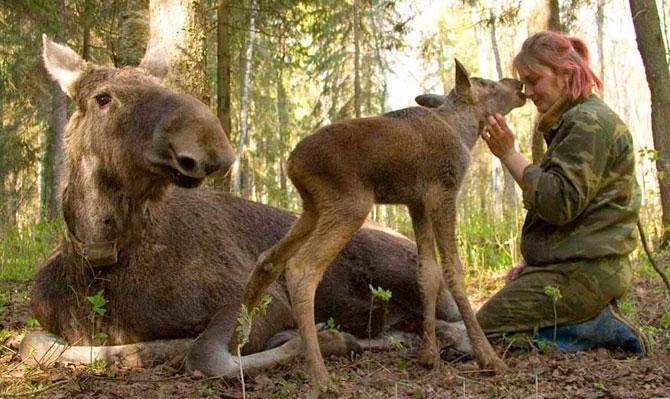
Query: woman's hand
514, 272
499, 137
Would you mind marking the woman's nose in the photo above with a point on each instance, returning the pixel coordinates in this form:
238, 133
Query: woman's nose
527, 90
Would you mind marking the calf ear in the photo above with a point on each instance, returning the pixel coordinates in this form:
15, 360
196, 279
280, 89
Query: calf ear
463, 86
156, 59
430, 100
62, 63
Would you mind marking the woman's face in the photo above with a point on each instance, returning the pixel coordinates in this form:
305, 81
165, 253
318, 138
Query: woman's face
542, 85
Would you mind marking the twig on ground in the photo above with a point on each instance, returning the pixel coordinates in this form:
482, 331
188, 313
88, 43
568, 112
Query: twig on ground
643, 238
36, 391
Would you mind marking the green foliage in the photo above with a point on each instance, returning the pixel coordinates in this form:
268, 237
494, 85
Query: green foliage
98, 366
420, 393
665, 320
98, 303
330, 324
402, 365
380, 294
554, 293
32, 322
23, 250
281, 390
246, 317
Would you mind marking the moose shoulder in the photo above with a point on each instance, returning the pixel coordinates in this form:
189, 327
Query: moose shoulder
172, 259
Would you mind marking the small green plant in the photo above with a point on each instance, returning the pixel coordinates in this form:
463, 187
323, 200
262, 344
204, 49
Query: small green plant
420, 393
665, 320
554, 293
395, 342
402, 365
244, 322
331, 325
491, 392
281, 389
97, 366
379, 294
32, 322
96, 312
205, 390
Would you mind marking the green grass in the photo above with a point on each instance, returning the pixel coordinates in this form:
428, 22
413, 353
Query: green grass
23, 250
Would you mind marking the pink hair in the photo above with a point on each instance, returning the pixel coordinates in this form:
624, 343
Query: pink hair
561, 53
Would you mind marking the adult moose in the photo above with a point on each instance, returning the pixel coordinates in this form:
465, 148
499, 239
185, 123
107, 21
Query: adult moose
172, 259
415, 156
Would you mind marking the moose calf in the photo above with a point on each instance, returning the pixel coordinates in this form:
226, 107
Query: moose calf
414, 156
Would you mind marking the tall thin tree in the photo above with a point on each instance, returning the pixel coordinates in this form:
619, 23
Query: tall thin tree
53, 156
223, 87
652, 49
239, 168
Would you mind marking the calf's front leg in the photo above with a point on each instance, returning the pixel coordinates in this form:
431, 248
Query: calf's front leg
444, 225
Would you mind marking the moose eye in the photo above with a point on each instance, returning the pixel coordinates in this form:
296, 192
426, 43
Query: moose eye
103, 99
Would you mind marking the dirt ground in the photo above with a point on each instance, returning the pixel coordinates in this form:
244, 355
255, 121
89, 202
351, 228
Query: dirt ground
534, 372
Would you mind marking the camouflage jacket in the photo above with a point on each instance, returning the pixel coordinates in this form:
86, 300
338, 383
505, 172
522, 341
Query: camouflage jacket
583, 199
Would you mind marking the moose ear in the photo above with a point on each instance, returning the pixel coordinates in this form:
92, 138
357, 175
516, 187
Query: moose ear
155, 60
62, 63
462, 81
430, 100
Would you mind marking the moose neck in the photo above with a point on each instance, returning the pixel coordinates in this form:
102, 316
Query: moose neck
96, 211
464, 117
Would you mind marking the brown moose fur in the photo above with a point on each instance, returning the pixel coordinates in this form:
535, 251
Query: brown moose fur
184, 254
415, 156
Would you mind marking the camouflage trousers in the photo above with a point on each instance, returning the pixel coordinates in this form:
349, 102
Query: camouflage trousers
586, 287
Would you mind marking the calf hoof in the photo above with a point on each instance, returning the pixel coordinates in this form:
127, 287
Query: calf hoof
428, 357
212, 360
333, 342
326, 392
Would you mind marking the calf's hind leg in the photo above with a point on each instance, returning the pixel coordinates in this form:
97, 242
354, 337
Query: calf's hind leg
337, 223
444, 225
272, 262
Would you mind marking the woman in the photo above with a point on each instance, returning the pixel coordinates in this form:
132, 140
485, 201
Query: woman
582, 200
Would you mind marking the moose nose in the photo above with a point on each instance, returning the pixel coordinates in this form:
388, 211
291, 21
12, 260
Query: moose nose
186, 163
214, 163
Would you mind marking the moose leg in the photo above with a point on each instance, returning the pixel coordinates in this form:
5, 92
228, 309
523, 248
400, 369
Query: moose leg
335, 227
444, 224
271, 263
428, 277
43, 349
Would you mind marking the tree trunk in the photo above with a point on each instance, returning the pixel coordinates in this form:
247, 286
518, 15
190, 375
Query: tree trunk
357, 59
545, 16
600, 21
652, 49
509, 192
3, 165
180, 26
244, 101
223, 76
133, 33
283, 119
53, 156
86, 24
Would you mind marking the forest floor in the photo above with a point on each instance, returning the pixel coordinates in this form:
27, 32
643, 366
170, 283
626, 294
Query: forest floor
534, 372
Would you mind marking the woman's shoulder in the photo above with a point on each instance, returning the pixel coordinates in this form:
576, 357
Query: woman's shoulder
592, 113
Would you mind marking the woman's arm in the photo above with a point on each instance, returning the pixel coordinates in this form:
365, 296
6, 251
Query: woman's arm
500, 139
